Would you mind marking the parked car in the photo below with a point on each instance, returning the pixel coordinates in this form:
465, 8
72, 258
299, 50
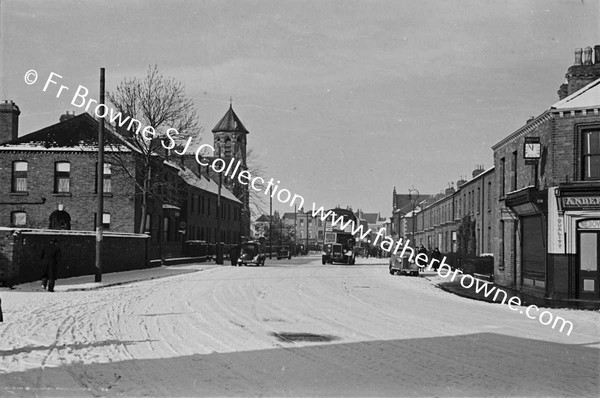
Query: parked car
283, 252
403, 265
251, 253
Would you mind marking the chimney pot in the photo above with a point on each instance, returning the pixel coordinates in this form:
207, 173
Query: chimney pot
587, 56
578, 52
597, 54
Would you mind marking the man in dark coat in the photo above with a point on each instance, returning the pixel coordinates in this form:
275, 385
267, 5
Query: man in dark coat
50, 257
437, 255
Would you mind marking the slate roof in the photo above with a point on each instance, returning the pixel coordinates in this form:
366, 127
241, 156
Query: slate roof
207, 185
79, 133
230, 123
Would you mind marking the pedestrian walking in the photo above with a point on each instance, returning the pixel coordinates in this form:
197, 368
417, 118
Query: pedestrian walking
436, 255
50, 257
423, 250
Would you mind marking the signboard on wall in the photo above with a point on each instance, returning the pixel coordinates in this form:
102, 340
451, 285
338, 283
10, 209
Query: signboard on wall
580, 202
556, 226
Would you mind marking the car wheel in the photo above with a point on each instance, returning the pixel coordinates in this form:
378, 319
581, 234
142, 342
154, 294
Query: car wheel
392, 272
323, 260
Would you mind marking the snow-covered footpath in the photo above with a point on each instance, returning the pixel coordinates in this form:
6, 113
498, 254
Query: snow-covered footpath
290, 328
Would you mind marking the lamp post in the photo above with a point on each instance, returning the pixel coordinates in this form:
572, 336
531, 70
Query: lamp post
412, 192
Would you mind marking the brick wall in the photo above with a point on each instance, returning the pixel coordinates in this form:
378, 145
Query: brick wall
80, 202
20, 263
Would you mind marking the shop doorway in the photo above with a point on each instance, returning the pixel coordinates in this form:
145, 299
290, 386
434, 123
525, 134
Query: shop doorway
588, 245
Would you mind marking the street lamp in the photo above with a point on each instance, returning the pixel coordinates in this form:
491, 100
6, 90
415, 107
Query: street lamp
412, 192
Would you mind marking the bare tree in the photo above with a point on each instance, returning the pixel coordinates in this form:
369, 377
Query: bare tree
166, 117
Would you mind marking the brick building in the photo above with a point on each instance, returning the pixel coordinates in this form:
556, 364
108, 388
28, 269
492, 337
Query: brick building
50, 182
548, 189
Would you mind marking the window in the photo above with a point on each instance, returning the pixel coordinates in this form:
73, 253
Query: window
502, 177
591, 155
514, 170
148, 223
107, 186
165, 229
489, 196
19, 177
478, 200
105, 220
18, 218
62, 177
227, 147
501, 248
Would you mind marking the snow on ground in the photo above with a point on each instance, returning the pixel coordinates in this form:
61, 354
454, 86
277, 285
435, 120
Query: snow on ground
219, 332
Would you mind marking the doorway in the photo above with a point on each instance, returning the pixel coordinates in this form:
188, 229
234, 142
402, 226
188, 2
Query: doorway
588, 244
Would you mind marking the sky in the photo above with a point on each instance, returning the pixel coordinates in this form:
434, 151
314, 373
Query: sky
344, 100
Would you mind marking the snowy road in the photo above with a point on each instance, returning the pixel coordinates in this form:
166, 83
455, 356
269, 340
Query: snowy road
294, 327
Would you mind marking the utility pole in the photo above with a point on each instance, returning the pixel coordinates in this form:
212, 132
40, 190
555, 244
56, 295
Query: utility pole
306, 232
295, 230
100, 187
411, 192
219, 260
270, 223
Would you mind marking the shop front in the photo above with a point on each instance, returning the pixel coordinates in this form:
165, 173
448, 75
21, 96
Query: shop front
574, 240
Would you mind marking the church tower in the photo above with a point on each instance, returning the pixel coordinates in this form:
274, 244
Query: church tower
230, 142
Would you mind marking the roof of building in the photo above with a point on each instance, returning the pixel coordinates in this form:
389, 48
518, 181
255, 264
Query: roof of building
586, 97
205, 184
262, 218
79, 133
230, 123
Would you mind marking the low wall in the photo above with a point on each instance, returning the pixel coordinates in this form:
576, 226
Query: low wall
20, 251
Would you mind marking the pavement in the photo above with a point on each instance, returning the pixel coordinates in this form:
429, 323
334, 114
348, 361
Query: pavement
86, 282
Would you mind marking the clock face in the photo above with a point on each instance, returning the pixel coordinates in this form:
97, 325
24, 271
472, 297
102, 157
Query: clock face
533, 150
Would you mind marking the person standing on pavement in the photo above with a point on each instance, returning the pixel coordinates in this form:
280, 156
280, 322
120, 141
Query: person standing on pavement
50, 257
423, 250
436, 255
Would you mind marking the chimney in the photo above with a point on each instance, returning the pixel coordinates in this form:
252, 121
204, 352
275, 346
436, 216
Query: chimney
587, 56
66, 116
9, 121
584, 71
530, 119
450, 190
462, 181
478, 170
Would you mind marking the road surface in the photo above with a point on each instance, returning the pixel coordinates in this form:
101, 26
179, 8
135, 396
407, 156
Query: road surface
291, 328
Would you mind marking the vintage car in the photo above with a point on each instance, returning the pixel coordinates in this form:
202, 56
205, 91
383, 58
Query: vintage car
284, 252
403, 265
251, 253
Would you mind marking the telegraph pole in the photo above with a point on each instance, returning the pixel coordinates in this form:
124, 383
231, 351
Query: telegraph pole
100, 186
270, 223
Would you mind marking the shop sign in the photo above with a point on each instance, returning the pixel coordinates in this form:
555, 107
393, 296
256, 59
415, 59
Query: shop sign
589, 224
570, 202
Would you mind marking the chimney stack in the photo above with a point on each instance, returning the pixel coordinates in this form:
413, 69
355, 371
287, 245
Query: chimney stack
478, 170
66, 116
583, 71
462, 181
9, 121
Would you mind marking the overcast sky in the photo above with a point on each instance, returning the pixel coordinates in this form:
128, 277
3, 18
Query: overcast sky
343, 99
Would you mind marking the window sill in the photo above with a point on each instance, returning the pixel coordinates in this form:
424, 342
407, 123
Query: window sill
106, 194
19, 194
62, 194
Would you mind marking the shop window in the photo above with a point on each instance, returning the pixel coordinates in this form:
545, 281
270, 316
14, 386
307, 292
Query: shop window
19, 176
62, 177
18, 218
591, 155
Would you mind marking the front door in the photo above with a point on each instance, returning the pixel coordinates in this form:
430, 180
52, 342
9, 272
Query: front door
587, 269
